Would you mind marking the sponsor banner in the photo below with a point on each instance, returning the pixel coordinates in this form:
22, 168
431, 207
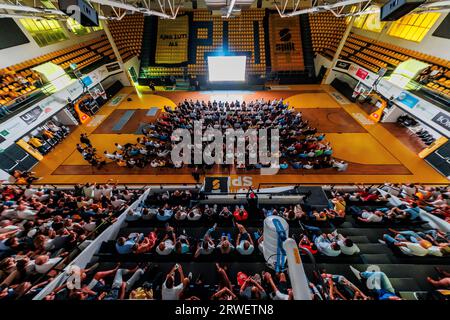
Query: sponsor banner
172, 42
442, 120
31, 116
216, 184
362, 74
286, 44
407, 99
343, 65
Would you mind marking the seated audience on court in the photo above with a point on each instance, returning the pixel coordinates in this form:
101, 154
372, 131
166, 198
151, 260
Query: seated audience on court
300, 144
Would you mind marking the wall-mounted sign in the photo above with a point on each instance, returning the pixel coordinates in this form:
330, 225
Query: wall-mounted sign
407, 99
216, 184
442, 119
32, 115
343, 65
362, 74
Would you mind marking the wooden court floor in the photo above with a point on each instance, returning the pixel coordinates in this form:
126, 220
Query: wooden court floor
375, 152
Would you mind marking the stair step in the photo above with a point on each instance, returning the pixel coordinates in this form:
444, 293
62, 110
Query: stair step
359, 239
376, 258
374, 248
346, 224
412, 295
404, 284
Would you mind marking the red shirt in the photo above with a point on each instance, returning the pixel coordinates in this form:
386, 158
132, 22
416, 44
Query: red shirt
240, 216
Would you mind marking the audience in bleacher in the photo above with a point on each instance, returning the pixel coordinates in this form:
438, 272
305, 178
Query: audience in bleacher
41, 229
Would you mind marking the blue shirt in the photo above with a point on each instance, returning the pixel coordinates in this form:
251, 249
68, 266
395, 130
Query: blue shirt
126, 248
413, 212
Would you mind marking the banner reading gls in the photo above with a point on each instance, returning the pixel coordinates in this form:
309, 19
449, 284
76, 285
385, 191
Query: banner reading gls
32, 115
442, 119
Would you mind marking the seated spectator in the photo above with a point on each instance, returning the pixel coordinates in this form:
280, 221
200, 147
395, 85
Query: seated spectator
380, 284
225, 246
225, 289
204, 247
325, 245
194, 214
250, 287
416, 247
133, 215
306, 244
170, 291
240, 214
167, 244
165, 213
225, 213
147, 243
127, 245
280, 292
443, 281
244, 241
371, 217
348, 247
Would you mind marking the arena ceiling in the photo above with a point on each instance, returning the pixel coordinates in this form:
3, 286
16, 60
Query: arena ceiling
169, 9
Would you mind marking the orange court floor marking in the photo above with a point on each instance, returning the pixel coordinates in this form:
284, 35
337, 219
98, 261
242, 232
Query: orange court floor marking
374, 154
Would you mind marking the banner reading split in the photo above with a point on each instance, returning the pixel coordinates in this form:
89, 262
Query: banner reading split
172, 43
286, 44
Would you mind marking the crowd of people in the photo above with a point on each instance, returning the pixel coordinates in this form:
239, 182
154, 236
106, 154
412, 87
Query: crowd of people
149, 282
42, 229
89, 153
300, 144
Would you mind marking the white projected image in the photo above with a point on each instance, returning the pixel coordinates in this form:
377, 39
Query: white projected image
226, 68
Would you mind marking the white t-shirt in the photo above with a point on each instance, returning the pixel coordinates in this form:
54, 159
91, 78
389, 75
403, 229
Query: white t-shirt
29, 192
8, 228
26, 214
414, 249
371, 217
325, 248
348, 250
167, 250
98, 194
435, 251
172, 293
117, 203
107, 191
241, 250
44, 268
209, 250
197, 215
280, 296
